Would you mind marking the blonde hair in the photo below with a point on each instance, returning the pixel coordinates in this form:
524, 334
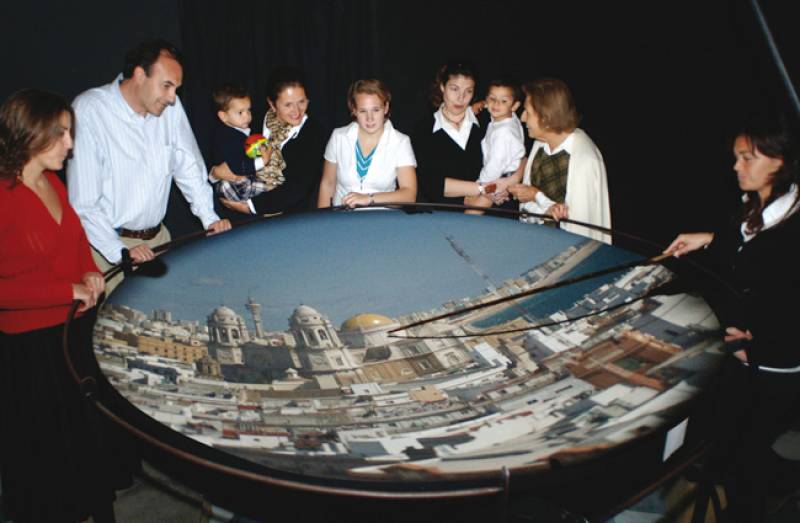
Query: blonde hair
368, 86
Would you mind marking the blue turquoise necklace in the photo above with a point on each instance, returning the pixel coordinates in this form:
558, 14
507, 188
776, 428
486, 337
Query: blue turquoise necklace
363, 162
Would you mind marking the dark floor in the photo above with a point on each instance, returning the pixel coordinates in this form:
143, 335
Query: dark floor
156, 498
672, 503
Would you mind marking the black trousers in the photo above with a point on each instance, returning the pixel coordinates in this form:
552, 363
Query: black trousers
749, 410
60, 460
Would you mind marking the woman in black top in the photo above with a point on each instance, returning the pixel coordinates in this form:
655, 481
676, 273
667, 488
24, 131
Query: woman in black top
447, 144
759, 391
300, 142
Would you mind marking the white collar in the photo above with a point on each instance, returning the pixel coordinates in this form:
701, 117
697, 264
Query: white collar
126, 107
566, 145
294, 131
439, 120
245, 132
775, 212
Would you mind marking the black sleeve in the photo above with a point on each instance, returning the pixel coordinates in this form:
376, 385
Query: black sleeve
303, 172
229, 148
772, 279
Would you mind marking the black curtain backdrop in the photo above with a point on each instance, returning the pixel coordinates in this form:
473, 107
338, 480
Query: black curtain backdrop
660, 86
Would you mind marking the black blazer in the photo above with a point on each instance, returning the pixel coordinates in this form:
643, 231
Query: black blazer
439, 157
766, 271
304, 156
228, 147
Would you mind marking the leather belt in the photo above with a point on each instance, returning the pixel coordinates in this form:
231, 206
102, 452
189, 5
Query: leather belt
144, 234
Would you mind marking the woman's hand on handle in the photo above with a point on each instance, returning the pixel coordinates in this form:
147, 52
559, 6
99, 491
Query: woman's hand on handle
85, 295
95, 282
688, 242
523, 193
558, 211
356, 199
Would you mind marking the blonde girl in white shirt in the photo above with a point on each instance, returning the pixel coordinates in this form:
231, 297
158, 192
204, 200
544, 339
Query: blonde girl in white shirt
368, 162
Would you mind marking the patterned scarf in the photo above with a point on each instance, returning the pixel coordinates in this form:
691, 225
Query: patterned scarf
272, 173
549, 174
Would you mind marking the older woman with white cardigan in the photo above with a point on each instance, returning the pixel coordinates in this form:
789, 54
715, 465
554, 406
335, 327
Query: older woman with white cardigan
565, 176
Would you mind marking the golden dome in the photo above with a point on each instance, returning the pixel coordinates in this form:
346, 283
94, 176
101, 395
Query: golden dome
365, 322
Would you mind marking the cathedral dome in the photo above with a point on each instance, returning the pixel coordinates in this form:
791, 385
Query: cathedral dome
304, 311
366, 321
305, 315
223, 315
224, 312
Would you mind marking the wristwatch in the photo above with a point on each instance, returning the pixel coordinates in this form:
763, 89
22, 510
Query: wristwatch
481, 189
371, 198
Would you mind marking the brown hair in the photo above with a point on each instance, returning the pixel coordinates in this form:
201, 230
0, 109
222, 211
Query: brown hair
553, 103
282, 78
29, 124
223, 95
368, 86
773, 137
507, 83
444, 74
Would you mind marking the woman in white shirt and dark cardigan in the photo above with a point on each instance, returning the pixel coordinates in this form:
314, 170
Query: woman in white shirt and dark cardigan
368, 162
447, 143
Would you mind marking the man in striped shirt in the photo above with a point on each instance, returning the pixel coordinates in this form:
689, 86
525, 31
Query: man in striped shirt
132, 138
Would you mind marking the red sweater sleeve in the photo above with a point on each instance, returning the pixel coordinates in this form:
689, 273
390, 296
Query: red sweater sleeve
21, 294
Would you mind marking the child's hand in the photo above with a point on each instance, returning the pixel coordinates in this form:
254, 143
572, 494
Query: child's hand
223, 172
501, 189
478, 106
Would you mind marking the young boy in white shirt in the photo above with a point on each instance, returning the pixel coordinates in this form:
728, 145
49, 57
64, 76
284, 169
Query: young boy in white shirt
503, 146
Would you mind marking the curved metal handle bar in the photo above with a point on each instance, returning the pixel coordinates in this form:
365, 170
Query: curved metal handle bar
529, 328
343, 208
253, 476
546, 217
447, 206
531, 292
435, 206
116, 269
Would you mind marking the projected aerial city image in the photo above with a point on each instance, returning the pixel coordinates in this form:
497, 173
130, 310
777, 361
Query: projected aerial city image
284, 343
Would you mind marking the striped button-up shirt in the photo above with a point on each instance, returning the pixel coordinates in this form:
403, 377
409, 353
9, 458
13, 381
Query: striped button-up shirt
123, 164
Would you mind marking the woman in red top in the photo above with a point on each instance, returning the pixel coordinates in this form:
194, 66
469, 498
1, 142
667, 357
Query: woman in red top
52, 464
